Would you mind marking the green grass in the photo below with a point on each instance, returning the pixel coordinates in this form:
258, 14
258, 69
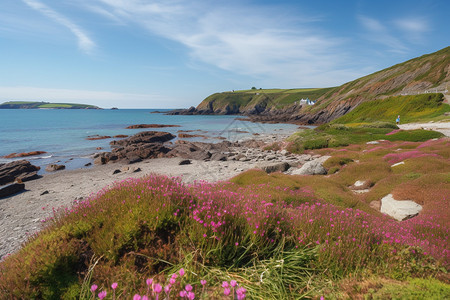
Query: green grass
416, 288
416, 108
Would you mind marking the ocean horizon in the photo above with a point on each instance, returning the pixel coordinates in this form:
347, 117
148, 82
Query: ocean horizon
63, 133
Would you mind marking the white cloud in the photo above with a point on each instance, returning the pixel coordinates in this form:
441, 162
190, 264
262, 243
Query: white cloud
100, 98
240, 39
413, 27
84, 41
379, 32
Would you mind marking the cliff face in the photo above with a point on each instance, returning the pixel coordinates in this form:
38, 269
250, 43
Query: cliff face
425, 74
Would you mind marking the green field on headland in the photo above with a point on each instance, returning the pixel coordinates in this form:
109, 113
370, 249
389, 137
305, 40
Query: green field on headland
44, 105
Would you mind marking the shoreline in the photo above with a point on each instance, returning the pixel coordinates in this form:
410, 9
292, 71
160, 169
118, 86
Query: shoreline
21, 214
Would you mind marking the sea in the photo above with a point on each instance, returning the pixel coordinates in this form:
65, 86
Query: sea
63, 133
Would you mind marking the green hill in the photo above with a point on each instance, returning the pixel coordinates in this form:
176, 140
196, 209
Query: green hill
413, 108
43, 105
422, 75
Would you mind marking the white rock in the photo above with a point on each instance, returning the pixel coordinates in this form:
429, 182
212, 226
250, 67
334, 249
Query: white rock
399, 210
373, 143
313, 167
398, 164
359, 183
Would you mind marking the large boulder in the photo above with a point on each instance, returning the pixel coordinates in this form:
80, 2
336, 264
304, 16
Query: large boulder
313, 167
280, 167
11, 189
54, 167
20, 169
399, 210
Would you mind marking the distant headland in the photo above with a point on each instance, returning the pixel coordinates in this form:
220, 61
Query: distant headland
44, 105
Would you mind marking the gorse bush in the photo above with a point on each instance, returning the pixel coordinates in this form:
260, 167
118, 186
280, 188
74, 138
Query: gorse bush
271, 233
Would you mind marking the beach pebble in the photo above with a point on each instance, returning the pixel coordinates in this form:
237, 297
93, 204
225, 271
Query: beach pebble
184, 162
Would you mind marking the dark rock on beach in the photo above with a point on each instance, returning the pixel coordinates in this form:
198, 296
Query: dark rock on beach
24, 154
144, 137
54, 167
150, 126
97, 137
21, 169
11, 189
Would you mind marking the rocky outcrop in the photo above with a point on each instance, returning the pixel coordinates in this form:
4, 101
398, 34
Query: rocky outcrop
21, 169
97, 137
313, 167
399, 210
145, 137
143, 145
54, 167
201, 151
24, 154
138, 126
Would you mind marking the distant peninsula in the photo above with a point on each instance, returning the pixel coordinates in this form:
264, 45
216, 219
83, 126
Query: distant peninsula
44, 105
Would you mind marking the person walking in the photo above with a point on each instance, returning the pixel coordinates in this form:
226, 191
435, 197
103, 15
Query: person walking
398, 120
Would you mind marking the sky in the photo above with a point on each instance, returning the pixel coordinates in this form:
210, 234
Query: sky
175, 53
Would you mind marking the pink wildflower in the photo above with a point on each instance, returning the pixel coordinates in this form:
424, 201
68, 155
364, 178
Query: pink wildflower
137, 297
102, 294
233, 283
157, 288
225, 284
114, 285
226, 291
94, 287
188, 287
191, 296
203, 282
149, 281
181, 272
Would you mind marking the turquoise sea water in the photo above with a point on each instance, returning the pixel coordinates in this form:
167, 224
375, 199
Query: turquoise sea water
63, 133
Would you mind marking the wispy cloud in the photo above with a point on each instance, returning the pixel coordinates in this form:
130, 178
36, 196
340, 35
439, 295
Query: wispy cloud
84, 41
238, 38
414, 28
379, 32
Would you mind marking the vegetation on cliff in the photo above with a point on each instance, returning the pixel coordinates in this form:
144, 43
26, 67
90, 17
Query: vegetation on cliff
44, 105
414, 108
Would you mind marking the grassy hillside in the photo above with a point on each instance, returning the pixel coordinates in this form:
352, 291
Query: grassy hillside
415, 108
265, 236
33, 105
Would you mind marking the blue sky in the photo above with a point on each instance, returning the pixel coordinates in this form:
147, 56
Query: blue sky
174, 53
